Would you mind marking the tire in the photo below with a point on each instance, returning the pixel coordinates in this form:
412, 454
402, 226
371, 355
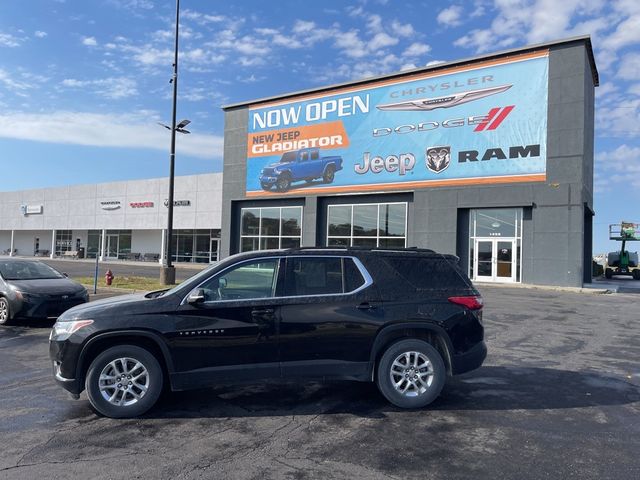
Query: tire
124, 403
608, 273
5, 312
329, 174
265, 186
636, 274
283, 183
391, 369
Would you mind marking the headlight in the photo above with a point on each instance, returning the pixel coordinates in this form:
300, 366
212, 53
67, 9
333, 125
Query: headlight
26, 295
63, 330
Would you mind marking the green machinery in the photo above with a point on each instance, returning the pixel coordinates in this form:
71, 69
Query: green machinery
623, 262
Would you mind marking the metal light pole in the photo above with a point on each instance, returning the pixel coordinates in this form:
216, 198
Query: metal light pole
168, 271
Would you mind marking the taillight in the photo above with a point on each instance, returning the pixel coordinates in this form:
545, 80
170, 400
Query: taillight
471, 302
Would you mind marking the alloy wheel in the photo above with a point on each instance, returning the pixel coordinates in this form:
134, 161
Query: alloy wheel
411, 373
124, 381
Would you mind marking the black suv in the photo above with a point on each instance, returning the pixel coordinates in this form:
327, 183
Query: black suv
403, 318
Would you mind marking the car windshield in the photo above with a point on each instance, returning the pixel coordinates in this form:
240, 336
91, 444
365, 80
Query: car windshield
25, 270
288, 157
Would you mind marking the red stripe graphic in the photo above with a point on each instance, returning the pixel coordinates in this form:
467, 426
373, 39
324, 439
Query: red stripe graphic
503, 114
490, 116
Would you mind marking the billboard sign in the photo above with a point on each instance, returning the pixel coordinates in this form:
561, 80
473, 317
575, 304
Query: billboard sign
480, 123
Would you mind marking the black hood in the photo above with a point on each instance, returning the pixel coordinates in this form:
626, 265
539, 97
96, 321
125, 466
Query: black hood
48, 286
122, 304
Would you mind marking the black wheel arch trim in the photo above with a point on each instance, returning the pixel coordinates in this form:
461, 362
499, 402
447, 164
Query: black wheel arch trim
154, 337
382, 335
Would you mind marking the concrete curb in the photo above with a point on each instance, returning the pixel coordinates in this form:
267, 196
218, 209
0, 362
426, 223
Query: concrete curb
587, 290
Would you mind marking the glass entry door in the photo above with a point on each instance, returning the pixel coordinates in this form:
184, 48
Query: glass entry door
495, 260
112, 246
213, 253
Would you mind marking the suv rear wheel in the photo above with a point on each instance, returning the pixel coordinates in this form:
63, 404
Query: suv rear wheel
124, 381
411, 374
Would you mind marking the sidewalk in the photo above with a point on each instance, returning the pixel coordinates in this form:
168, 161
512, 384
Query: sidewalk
618, 284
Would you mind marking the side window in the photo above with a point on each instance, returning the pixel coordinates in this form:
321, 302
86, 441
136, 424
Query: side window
304, 156
313, 276
315, 154
352, 277
256, 279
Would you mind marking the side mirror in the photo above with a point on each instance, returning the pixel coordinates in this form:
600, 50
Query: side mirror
196, 296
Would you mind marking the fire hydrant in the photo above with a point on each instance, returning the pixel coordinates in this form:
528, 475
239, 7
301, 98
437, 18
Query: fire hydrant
108, 277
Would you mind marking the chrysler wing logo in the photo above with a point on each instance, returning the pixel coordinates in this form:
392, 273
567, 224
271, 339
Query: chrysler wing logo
447, 101
438, 158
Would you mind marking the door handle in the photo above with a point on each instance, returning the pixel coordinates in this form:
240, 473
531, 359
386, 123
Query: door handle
366, 306
265, 311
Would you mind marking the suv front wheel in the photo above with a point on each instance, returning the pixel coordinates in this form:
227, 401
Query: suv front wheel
411, 374
124, 381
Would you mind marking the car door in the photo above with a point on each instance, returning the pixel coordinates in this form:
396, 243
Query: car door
230, 332
330, 319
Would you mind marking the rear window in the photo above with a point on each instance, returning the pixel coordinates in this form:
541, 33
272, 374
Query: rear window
426, 273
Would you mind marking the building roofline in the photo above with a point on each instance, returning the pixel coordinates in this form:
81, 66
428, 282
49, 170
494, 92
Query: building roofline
586, 39
79, 185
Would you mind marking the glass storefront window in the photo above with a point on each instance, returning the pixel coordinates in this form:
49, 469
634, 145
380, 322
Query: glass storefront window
365, 220
339, 220
195, 245
367, 225
267, 228
493, 222
64, 241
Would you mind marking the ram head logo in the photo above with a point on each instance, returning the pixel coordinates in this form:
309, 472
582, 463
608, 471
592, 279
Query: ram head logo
438, 158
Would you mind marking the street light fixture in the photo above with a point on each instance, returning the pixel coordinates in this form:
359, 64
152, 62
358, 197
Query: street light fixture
168, 271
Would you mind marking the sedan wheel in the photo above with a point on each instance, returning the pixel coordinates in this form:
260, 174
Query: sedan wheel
4, 311
411, 373
124, 381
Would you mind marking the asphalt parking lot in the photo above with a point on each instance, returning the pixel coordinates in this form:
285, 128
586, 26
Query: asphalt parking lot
558, 397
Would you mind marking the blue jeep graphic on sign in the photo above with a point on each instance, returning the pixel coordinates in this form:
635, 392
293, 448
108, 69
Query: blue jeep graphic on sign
304, 164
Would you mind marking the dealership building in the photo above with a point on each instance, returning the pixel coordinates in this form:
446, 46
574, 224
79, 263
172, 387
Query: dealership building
115, 221
488, 158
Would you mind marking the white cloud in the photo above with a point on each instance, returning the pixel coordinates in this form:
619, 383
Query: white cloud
113, 87
106, 130
8, 40
40, 34
630, 67
619, 166
402, 29
416, 49
381, 40
12, 84
435, 62
534, 21
450, 17
89, 41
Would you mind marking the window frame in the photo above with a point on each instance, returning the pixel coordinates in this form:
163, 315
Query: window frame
260, 236
368, 280
351, 237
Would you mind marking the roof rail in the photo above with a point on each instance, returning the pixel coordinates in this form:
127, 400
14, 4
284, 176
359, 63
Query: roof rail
375, 249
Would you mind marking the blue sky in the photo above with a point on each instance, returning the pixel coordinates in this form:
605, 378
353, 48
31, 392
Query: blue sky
83, 83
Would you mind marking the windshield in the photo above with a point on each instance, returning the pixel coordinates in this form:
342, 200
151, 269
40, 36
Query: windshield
25, 270
288, 157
